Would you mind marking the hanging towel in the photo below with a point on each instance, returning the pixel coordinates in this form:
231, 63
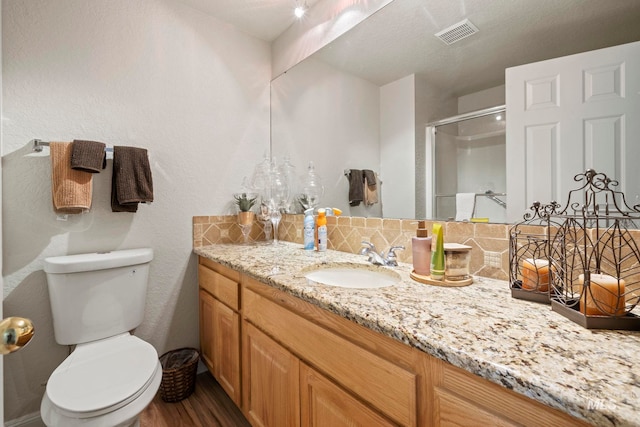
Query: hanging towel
370, 187
356, 188
71, 190
88, 156
465, 205
131, 182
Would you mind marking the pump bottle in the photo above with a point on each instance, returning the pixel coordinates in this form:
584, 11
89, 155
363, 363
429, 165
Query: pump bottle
421, 249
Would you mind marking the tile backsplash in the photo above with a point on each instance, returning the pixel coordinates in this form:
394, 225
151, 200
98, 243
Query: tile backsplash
490, 242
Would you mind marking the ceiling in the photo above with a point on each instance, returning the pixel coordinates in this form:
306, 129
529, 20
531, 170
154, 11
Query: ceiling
264, 19
399, 39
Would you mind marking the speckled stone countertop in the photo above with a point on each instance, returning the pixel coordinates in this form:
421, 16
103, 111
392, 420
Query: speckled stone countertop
523, 346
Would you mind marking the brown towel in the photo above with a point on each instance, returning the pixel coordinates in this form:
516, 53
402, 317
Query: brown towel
356, 189
71, 190
370, 187
88, 156
131, 182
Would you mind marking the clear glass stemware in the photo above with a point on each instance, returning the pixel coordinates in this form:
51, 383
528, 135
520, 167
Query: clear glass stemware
277, 200
275, 216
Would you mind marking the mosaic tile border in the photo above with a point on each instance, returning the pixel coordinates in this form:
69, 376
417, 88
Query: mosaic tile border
489, 241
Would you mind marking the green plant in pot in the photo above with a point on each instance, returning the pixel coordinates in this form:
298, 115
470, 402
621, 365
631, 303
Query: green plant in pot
245, 202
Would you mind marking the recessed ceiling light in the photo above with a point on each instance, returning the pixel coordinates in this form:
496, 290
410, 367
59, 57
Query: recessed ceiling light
300, 10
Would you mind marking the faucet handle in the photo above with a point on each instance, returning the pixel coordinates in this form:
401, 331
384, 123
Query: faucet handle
367, 247
391, 258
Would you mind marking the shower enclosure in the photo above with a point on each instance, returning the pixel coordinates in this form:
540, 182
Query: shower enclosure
467, 154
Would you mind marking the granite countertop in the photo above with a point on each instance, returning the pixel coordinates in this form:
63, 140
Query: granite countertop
521, 345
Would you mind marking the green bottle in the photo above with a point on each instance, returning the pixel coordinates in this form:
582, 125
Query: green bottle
437, 253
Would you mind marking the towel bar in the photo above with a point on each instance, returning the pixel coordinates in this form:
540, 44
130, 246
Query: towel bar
38, 146
348, 171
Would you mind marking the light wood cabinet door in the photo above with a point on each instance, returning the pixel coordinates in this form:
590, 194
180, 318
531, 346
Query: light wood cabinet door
207, 303
226, 350
271, 376
323, 404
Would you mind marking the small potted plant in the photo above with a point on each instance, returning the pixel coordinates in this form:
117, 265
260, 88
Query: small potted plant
245, 202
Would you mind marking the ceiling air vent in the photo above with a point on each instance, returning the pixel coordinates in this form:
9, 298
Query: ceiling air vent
457, 32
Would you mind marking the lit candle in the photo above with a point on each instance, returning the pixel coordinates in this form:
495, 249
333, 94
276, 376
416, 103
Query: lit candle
535, 274
605, 296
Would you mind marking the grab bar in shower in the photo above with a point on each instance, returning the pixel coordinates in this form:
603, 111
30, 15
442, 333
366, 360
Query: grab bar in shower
489, 194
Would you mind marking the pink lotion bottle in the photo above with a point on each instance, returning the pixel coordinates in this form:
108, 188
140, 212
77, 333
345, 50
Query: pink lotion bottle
421, 249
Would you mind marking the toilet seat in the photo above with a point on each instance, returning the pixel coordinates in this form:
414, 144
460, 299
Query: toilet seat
102, 376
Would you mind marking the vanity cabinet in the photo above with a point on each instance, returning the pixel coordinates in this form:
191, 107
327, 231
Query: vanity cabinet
301, 328
305, 366
220, 325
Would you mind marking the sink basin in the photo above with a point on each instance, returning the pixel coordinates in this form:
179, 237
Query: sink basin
355, 276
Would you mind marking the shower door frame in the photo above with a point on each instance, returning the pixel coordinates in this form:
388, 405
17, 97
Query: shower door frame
430, 178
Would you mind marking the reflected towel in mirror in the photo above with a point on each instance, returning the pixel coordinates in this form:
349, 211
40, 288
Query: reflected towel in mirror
370, 187
356, 187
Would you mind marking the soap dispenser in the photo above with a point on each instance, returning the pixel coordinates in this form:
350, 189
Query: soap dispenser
421, 249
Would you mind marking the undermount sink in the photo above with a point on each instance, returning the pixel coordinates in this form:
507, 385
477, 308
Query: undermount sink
348, 275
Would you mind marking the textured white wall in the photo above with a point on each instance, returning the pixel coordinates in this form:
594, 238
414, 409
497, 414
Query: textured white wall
397, 147
146, 73
407, 105
1, 280
333, 120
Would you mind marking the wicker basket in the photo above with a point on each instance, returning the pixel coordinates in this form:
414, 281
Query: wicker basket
178, 374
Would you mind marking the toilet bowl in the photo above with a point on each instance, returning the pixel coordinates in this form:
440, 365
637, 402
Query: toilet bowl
111, 375
107, 383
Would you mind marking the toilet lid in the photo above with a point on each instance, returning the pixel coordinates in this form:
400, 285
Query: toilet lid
102, 375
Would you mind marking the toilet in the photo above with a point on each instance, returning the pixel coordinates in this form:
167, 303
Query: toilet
111, 375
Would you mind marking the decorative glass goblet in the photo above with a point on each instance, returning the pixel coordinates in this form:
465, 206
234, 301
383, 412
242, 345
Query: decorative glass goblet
265, 219
277, 201
246, 230
275, 216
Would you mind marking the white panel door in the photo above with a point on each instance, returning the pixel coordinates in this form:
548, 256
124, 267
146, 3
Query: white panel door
570, 114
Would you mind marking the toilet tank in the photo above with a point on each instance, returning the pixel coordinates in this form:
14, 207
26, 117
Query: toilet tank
97, 295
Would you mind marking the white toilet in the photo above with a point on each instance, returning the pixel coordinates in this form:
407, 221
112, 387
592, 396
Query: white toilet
111, 376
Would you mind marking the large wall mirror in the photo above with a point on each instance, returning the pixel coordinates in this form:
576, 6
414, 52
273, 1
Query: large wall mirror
365, 100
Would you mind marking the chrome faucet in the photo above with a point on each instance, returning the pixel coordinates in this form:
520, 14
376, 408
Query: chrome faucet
390, 259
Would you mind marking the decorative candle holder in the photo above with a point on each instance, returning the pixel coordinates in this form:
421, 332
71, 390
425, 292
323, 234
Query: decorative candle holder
594, 262
529, 273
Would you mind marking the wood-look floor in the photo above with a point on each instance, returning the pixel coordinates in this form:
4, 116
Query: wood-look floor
208, 406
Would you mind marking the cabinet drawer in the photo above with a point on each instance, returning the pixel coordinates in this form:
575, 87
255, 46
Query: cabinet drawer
223, 288
385, 386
